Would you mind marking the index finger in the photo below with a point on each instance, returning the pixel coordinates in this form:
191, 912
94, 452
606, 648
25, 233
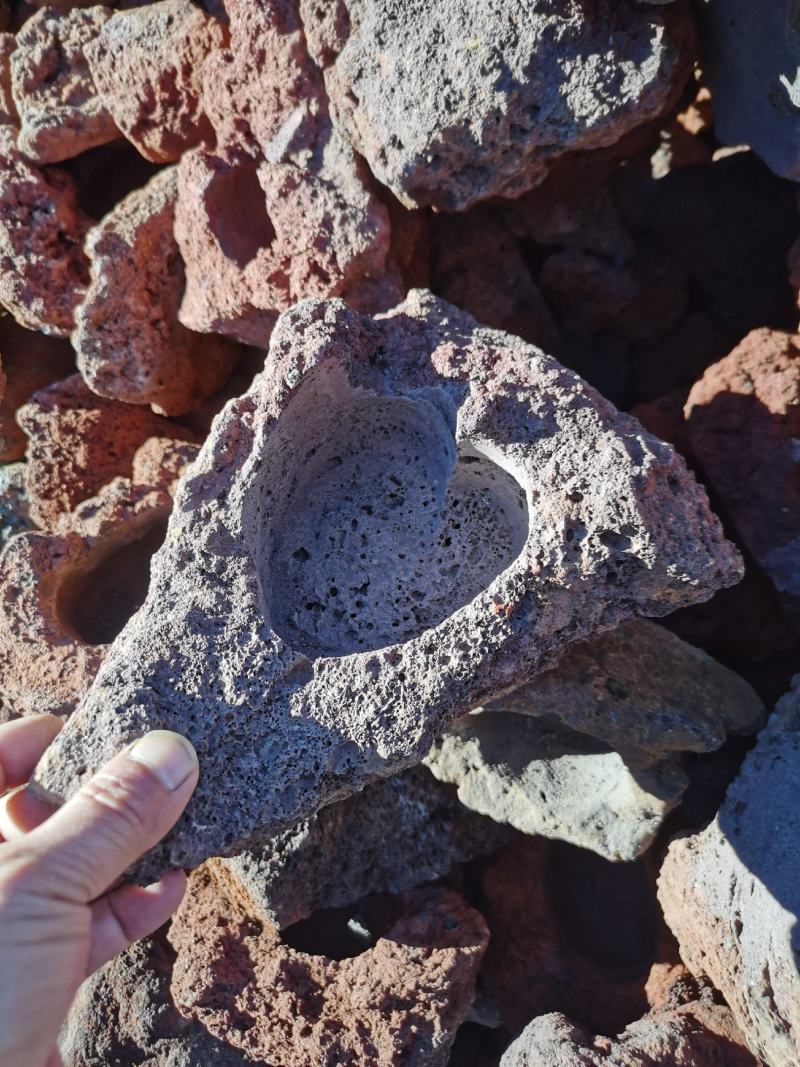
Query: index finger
22, 742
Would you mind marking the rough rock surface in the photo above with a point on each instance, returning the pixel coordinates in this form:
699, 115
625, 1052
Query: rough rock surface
281, 209
520, 512
14, 509
60, 112
43, 268
543, 778
147, 64
465, 102
30, 361
644, 692
66, 594
731, 895
399, 1002
751, 62
78, 442
8, 109
395, 835
744, 423
129, 342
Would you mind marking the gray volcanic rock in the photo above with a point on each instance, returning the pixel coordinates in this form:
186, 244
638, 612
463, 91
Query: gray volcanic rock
732, 897
644, 692
453, 104
751, 62
404, 517
542, 778
395, 835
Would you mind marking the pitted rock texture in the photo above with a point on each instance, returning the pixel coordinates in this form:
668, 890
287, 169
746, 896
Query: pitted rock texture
281, 209
730, 893
395, 835
406, 516
644, 692
78, 441
124, 1014
147, 64
453, 105
30, 362
43, 268
129, 342
543, 778
744, 421
752, 54
8, 109
399, 1002
67, 593
60, 112
14, 508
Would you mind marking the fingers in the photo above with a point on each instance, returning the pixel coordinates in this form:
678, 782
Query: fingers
124, 810
21, 812
22, 742
130, 913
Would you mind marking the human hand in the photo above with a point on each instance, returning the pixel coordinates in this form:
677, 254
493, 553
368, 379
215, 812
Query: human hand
63, 912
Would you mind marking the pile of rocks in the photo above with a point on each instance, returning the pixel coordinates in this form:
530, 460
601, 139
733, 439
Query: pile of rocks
367, 368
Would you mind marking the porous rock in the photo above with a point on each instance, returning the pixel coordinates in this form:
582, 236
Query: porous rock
730, 893
751, 62
519, 509
147, 64
456, 105
14, 510
78, 441
30, 361
543, 778
395, 835
8, 109
400, 1001
129, 342
281, 209
67, 593
743, 425
60, 112
43, 268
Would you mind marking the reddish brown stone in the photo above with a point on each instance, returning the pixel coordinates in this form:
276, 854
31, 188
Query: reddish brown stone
399, 1002
664, 417
8, 109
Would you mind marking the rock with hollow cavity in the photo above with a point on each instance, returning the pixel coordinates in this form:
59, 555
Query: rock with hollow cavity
60, 111
147, 64
731, 895
129, 342
43, 268
466, 102
404, 517
743, 426
399, 1002
78, 441
393, 836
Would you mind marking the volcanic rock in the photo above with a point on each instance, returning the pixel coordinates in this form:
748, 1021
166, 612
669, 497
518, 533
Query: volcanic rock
129, 342
519, 510
461, 103
14, 509
730, 893
8, 109
60, 112
399, 1002
147, 64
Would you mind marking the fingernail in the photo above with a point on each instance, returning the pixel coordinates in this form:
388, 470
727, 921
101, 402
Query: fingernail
169, 755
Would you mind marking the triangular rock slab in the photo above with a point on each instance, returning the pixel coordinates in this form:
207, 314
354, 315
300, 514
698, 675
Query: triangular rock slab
404, 517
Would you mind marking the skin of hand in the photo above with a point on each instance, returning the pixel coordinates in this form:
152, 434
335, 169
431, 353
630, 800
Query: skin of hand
63, 910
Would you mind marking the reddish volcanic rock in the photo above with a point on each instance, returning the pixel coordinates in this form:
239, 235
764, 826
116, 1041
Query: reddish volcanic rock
60, 113
147, 64
129, 342
78, 442
30, 361
744, 425
43, 268
8, 109
399, 1002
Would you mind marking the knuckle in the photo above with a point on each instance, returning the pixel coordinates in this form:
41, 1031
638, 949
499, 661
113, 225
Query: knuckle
19, 869
125, 797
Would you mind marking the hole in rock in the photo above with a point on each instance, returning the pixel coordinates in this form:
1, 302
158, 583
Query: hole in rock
386, 527
342, 933
237, 214
95, 602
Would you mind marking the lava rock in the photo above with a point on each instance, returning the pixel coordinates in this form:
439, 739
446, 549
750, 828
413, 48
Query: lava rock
14, 507
519, 509
8, 109
129, 342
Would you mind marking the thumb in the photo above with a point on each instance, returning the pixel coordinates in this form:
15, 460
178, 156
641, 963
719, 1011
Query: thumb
125, 809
